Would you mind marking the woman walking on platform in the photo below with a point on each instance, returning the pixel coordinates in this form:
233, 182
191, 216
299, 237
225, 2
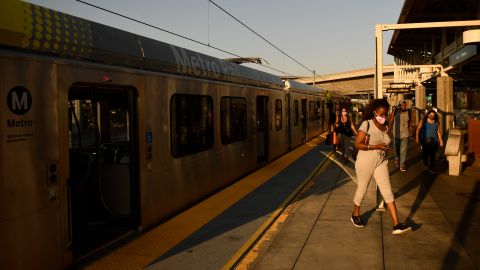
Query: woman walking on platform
373, 141
345, 128
429, 135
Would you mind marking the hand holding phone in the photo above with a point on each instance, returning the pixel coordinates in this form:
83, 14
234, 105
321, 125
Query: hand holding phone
385, 147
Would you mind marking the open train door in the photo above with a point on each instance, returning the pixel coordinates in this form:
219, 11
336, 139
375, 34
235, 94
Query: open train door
262, 129
103, 165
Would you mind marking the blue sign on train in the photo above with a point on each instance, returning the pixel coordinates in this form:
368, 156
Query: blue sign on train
149, 137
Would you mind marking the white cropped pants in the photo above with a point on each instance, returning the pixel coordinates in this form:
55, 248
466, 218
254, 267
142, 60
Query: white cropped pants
368, 164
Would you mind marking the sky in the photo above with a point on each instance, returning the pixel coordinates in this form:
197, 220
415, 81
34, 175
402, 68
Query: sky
325, 36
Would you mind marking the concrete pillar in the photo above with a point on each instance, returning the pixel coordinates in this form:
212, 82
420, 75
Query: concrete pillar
445, 102
395, 99
400, 97
392, 100
420, 101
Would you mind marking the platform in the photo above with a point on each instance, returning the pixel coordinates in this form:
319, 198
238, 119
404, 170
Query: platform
215, 233
295, 212
317, 234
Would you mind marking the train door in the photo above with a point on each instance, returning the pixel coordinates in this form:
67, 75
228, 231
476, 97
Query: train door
304, 119
262, 129
323, 116
288, 120
103, 162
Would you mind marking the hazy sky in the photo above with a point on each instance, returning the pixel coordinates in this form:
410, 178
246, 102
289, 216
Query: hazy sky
326, 36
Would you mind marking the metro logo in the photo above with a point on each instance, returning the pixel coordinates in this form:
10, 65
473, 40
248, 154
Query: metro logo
198, 65
19, 100
18, 104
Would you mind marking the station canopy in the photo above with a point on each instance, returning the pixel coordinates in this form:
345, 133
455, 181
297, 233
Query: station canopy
420, 46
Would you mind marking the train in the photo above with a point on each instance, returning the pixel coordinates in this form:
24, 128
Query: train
106, 133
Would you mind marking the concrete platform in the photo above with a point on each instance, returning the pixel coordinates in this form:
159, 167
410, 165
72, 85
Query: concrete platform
214, 245
216, 232
317, 234
314, 231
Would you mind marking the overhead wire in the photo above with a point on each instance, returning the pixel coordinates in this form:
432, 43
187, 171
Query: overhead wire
173, 33
156, 27
299, 78
273, 45
260, 36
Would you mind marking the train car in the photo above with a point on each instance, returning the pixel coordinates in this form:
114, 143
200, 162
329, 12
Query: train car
106, 132
309, 116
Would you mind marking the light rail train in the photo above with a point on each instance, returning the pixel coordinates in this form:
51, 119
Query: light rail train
104, 132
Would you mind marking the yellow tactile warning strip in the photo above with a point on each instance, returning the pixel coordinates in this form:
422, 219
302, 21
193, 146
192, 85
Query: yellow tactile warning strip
253, 252
251, 241
152, 244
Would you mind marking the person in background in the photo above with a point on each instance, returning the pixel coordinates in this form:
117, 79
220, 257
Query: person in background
373, 141
334, 112
429, 135
401, 124
345, 128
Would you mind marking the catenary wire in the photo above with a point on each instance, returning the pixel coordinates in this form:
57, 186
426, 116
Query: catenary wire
156, 27
260, 36
175, 34
280, 50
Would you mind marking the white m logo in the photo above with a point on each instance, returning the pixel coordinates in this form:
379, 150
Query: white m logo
19, 100
20, 104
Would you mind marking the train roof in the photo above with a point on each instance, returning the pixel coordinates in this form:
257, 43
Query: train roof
295, 86
35, 28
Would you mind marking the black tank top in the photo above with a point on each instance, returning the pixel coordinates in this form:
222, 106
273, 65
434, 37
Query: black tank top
345, 127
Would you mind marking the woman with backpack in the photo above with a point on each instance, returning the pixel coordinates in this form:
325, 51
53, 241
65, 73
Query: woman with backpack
429, 135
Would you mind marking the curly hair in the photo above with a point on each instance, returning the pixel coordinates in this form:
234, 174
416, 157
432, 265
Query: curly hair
373, 105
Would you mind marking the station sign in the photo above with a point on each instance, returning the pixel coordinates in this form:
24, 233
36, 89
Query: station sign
463, 54
400, 88
397, 91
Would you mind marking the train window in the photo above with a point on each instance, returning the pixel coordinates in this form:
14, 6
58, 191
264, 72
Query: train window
233, 113
278, 114
119, 125
97, 120
312, 111
82, 124
191, 124
295, 113
318, 110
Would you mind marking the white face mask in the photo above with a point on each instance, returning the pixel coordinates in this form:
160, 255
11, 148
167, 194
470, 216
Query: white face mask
380, 119
344, 113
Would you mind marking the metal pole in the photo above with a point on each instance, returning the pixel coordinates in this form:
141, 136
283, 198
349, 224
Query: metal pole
314, 78
378, 61
378, 91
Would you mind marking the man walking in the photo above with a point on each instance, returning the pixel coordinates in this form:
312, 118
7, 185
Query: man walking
400, 120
